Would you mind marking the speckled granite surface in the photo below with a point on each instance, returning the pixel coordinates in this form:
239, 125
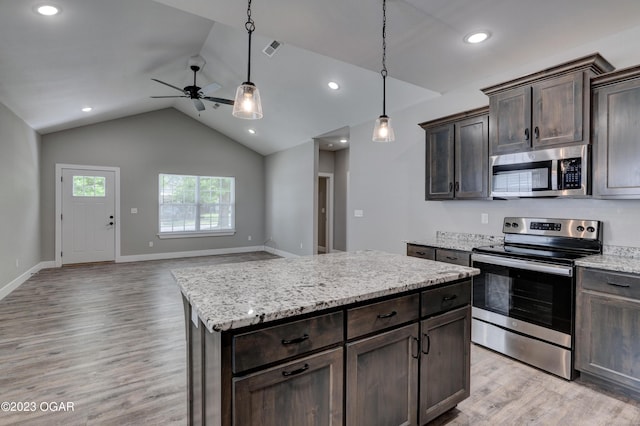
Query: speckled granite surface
236, 295
614, 258
459, 240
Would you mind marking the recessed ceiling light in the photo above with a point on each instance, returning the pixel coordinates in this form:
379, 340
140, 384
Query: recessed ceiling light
330, 145
343, 140
333, 85
477, 37
48, 10
252, 131
86, 109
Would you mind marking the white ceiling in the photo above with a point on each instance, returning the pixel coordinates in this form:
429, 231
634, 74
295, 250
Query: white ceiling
104, 53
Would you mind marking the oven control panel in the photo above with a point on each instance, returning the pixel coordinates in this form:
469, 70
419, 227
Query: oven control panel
573, 228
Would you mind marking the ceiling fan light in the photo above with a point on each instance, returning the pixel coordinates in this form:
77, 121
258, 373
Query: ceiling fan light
382, 131
247, 103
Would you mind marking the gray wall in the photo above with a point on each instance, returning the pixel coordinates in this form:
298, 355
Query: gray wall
290, 181
164, 141
387, 180
341, 170
326, 161
19, 197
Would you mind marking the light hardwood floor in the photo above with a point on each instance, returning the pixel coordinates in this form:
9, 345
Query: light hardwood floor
110, 339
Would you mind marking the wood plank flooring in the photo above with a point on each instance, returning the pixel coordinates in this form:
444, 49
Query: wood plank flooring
110, 339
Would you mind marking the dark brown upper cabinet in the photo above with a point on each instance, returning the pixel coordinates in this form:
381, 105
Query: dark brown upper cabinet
456, 156
616, 108
544, 109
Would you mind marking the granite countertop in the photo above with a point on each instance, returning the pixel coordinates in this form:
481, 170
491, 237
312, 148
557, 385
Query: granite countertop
236, 295
458, 241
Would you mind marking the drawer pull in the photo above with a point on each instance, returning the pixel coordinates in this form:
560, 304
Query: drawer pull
428, 344
296, 340
449, 298
451, 258
421, 253
619, 285
294, 372
389, 315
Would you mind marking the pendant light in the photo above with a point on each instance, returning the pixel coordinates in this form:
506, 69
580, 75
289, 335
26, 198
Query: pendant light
383, 132
247, 103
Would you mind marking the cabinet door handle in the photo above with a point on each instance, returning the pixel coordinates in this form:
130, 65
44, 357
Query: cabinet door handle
417, 355
536, 132
619, 285
457, 186
296, 340
294, 372
389, 315
526, 134
426, 336
449, 298
450, 186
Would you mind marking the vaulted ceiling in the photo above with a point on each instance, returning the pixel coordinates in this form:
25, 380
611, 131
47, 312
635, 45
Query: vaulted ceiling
103, 54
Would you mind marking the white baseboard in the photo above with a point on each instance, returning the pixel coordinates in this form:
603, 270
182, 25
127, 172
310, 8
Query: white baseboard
7, 289
280, 253
181, 254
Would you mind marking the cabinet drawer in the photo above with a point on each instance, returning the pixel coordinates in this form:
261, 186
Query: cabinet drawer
445, 298
277, 343
625, 285
453, 256
382, 315
423, 252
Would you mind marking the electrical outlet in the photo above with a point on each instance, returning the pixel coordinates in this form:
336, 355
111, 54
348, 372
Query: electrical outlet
249, 237
17, 263
484, 218
150, 243
300, 245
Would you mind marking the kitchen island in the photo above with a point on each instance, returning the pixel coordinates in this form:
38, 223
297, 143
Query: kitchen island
358, 338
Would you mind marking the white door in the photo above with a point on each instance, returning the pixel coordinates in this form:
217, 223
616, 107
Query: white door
88, 216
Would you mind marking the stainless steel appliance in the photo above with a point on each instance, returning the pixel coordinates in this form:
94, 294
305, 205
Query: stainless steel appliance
524, 298
556, 172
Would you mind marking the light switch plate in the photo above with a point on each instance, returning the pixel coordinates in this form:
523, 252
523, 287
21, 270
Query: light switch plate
134, 210
358, 213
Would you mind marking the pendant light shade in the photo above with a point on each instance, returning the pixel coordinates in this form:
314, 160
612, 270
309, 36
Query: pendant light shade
247, 103
383, 132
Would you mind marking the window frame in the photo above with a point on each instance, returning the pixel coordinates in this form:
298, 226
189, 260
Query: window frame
198, 232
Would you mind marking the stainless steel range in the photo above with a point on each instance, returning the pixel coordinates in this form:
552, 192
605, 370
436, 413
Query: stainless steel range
524, 298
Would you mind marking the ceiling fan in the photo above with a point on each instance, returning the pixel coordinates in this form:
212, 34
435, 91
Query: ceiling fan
195, 92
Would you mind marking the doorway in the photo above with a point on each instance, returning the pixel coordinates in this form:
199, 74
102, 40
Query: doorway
87, 203
325, 213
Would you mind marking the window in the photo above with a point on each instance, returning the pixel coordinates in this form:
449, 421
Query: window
89, 186
196, 205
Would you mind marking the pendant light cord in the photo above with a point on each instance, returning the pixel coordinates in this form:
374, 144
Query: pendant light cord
384, 56
250, 26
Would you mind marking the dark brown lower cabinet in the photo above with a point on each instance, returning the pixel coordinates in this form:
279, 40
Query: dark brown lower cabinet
382, 379
444, 371
608, 324
304, 392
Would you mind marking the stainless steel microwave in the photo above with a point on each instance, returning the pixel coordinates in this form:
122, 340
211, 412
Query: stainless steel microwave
555, 172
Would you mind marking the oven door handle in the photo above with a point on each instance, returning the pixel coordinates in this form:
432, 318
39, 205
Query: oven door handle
528, 265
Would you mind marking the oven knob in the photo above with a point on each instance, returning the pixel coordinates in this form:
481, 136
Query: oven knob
591, 229
580, 228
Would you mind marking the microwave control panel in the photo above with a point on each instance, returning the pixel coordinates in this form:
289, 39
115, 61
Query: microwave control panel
570, 173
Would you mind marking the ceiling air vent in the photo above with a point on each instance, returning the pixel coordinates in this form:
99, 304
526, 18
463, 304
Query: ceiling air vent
271, 48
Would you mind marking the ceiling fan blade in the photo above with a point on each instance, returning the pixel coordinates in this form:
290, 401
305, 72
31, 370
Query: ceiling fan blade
198, 104
177, 96
210, 88
219, 100
167, 84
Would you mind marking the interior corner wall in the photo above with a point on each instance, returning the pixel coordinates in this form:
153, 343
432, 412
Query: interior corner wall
341, 174
143, 146
290, 179
19, 195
